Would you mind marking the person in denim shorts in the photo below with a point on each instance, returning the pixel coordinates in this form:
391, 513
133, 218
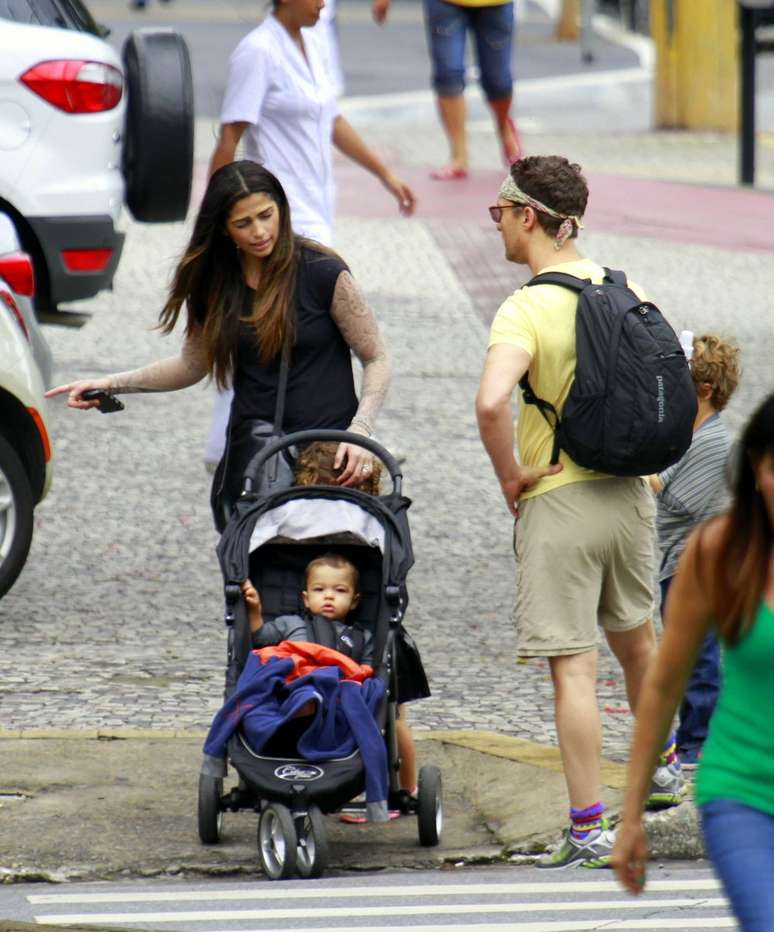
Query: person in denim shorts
491, 24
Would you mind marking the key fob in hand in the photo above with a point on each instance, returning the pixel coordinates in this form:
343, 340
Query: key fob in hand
106, 403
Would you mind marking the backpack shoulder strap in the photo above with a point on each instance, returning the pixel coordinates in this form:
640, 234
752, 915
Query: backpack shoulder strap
616, 277
561, 279
545, 408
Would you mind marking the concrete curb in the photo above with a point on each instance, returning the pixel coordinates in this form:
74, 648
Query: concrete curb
502, 807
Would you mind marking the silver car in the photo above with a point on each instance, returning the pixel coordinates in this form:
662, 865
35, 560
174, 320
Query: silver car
25, 445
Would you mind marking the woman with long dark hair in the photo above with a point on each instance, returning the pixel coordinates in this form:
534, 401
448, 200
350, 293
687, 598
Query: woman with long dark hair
250, 287
725, 580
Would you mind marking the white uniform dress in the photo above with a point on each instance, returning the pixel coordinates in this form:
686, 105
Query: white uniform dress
290, 103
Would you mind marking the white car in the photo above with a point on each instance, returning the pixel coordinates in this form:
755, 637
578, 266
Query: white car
25, 444
83, 131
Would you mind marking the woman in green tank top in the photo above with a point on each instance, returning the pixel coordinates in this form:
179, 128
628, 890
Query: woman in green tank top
725, 580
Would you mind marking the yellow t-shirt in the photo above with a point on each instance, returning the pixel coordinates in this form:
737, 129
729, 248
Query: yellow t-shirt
541, 320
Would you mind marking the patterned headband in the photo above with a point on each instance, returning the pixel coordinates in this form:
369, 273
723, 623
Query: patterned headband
510, 191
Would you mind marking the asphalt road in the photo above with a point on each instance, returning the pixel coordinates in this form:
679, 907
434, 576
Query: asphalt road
501, 899
377, 60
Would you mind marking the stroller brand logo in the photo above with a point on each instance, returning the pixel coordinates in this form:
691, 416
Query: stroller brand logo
296, 772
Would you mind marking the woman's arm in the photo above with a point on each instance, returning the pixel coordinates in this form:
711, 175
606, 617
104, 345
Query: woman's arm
225, 150
350, 142
687, 619
358, 326
166, 375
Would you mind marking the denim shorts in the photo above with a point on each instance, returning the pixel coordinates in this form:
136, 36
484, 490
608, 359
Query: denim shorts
492, 28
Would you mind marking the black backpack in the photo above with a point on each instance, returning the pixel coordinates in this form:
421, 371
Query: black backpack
632, 404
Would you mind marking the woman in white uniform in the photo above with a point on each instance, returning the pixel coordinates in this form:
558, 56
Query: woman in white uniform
280, 101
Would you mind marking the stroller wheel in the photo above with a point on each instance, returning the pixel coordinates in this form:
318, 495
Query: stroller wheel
277, 842
429, 806
312, 853
210, 812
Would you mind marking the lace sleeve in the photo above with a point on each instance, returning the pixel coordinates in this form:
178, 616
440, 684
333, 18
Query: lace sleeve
166, 375
359, 328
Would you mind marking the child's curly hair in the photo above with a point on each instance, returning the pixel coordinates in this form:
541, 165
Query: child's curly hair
715, 361
314, 466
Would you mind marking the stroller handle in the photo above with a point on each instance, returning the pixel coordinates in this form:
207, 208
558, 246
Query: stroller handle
308, 436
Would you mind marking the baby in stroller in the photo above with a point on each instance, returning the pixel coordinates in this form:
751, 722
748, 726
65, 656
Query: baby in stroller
330, 594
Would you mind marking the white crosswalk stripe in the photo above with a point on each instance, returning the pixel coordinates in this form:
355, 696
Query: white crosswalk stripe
555, 905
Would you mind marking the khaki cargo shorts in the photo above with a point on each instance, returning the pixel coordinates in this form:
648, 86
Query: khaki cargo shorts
584, 558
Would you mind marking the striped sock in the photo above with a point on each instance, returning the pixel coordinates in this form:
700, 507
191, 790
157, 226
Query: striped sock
585, 821
669, 753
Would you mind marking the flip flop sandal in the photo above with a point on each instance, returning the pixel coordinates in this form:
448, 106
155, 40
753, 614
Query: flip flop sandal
447, 173
510, 158
351, 819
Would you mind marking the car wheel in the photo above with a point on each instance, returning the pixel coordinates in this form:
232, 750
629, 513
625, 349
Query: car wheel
16, 516
158, 140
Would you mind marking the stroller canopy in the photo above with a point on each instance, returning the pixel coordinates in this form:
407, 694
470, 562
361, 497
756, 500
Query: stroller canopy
307, 520
318, 514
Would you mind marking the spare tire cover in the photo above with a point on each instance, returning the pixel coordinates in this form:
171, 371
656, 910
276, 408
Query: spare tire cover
158, 141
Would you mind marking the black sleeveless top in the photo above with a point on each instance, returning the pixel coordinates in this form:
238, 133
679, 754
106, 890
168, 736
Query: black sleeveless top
321, 388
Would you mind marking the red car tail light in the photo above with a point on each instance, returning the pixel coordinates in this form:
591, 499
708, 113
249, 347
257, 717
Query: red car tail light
6, 299
16, 268
44, 438
76, 86
86, 260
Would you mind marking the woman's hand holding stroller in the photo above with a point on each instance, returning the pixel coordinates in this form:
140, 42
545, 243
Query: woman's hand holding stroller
355, 462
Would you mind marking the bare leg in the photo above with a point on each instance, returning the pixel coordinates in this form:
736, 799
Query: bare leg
506, 129
452, 112
577, 725
633, 650
407, 751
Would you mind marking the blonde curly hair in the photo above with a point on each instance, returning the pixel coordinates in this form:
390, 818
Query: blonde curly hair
314, 466
715, 362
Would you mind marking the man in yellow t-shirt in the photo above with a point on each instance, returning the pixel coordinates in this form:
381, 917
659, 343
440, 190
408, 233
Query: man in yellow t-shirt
583, 540
490, 23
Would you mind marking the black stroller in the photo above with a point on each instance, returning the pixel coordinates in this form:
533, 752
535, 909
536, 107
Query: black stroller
270, 538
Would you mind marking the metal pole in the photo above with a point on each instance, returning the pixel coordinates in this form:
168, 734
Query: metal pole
587, 49
747, 102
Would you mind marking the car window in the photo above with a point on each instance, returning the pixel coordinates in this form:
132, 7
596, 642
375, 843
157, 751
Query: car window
64, 14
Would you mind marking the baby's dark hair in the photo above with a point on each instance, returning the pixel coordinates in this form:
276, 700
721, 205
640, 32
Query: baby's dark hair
337, 562
315, 467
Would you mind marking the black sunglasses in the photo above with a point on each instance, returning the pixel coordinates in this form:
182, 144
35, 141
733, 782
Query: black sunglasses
496, 213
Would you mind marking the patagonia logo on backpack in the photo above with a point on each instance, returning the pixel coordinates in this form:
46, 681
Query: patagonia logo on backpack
631, 407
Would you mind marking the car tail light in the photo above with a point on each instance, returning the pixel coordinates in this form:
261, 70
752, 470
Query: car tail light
7, 300
44, 438
86, 260
16, 268
76, 86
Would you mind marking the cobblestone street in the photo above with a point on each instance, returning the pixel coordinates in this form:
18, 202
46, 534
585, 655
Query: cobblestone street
116, 621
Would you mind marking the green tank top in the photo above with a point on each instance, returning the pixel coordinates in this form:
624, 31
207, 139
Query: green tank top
738, 757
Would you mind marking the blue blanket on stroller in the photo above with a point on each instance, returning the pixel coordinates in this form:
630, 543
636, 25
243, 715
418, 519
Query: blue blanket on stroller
344, 719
